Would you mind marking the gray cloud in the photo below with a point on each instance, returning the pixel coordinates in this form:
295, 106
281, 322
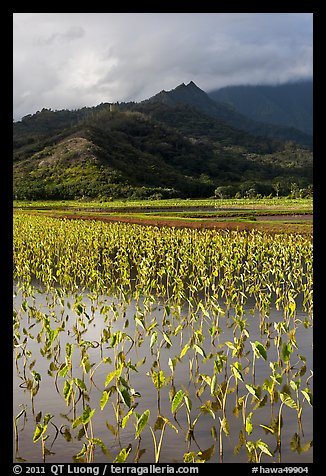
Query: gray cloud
69, 60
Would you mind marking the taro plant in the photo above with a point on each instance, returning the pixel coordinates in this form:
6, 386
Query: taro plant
87, 452
256, 449
40, 434
22, 413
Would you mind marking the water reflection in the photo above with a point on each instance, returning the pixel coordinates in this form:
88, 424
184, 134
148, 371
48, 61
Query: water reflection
75, 343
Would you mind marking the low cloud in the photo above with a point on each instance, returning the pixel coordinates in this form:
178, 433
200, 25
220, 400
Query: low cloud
69, 60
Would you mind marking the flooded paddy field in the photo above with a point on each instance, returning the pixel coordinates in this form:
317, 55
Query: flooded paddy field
145, 344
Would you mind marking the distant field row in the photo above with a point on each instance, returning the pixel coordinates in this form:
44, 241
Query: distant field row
302, 204
269, 215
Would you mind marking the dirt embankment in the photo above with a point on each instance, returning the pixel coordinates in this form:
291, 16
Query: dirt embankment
303, 228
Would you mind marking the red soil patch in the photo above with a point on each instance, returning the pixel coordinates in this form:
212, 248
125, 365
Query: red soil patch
207, 224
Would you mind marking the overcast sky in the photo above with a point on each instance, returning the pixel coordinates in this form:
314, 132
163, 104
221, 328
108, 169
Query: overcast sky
71, 60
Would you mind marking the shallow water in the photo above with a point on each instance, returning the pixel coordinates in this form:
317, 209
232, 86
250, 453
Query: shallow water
48, 400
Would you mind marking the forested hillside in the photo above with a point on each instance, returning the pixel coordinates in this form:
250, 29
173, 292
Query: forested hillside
156, 148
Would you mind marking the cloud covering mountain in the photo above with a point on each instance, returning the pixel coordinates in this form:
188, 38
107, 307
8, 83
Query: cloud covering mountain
68, 60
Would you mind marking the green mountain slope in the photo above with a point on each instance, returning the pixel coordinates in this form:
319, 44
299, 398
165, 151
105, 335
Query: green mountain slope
192, 95
288, 104
149, 149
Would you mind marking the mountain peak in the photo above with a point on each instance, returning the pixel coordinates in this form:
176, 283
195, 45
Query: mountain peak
184, 93
191, 86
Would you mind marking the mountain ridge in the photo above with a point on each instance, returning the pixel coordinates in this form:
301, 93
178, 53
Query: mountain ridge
161, 148
191, 94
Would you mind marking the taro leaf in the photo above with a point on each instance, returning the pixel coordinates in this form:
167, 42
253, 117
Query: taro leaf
172, 392
204, 311
69, 350
217, 405
230, 345
140, 322
295, 385
249, 426
308, 395
32, 364
167, 340
277, 378
123, 455
83, 451
153, 339
236, 372
207, 454
67, 435
189, 457
78, 421
264, 447
109, 377
87, 414
167, 310
177, 330
35, 390
158, 379
47, 418
177, 399
206, 378
207, 408
141, 422
296, 443
63, 370
48, 452
67, 389
307, 446
253, 390
218, 364
214, 433
268, 429
110, 427
288, 400
81, 433
260, 350
292, 305
124, 394
37, 418
213, 384
287, 350
85, 363
53, 367
139, 454
39, 431
126, 418
104, 399
172, 363
200, 350
184, 350
261, 403
225, 425
36, 376
80, 384
159, 424
98, 442
188, 403
123, 382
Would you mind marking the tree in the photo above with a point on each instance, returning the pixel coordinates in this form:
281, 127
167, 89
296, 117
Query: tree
225, 191
277, 187
295, 190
